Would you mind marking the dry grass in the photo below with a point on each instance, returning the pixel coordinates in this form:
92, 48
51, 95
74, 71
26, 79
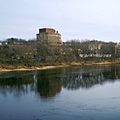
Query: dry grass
20, 68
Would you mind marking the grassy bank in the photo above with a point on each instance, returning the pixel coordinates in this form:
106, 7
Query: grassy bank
24, 68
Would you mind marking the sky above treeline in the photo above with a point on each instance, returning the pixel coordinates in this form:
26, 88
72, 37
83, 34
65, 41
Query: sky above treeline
74, 19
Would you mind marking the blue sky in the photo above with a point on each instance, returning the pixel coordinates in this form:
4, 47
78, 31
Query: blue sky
74, 19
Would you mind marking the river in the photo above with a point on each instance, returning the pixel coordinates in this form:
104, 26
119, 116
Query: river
76, 93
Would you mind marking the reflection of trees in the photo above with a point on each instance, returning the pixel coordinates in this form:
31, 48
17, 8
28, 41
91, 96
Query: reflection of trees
76, 80
84, 80
112, 73
15, 85
48, 85
45, 83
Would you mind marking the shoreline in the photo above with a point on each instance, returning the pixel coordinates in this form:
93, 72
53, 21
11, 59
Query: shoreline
33, 68
56, 66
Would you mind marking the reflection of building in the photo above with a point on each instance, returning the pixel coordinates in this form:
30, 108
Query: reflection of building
48, 87
49, 36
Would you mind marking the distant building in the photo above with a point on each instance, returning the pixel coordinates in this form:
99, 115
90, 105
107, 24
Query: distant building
49, 36
96, 46
117, 50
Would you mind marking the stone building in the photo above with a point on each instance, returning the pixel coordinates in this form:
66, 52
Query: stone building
49, 36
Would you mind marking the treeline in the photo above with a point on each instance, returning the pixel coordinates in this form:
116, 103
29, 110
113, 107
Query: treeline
19, 52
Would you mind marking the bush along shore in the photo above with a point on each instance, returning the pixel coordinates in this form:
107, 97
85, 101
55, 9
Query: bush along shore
19, 54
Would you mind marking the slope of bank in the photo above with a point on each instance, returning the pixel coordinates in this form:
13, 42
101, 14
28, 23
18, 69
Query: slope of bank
24, 68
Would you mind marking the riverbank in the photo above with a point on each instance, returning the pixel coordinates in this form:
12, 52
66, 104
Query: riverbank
24, 68
20, 68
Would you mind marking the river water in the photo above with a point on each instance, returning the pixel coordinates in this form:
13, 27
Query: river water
77, 93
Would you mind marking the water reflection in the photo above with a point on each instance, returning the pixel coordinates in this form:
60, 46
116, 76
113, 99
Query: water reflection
90, 77
49, 83
15, 85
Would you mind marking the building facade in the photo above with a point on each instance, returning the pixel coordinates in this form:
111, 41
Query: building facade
49, 36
